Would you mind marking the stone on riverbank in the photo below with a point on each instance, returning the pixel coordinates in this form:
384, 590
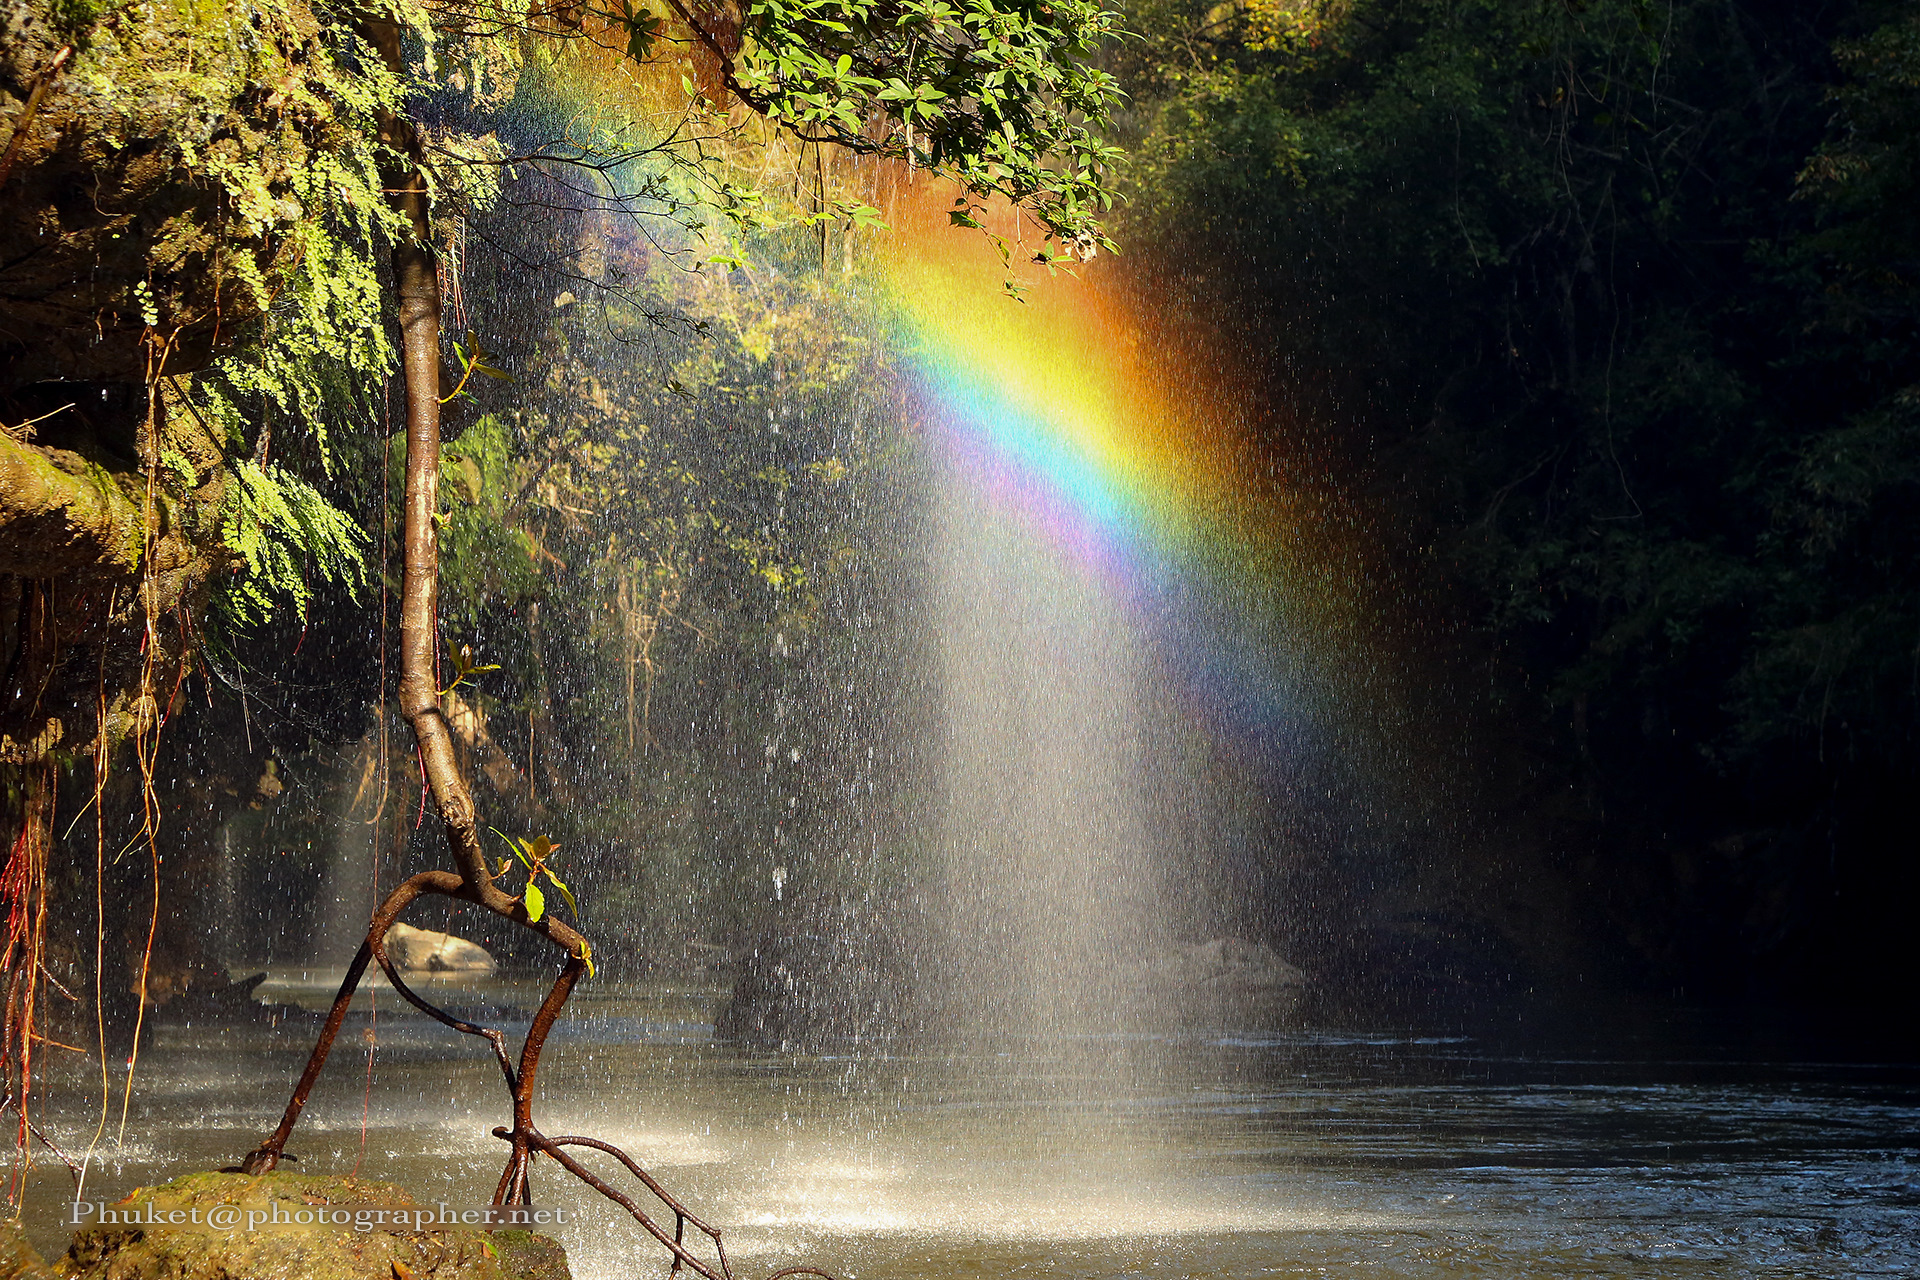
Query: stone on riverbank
18, 1261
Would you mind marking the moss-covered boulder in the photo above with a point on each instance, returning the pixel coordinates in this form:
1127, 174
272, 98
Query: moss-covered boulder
166, 172
157, 162
18, 1261
287, 1243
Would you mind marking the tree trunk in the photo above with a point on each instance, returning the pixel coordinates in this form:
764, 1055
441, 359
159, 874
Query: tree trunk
417, 286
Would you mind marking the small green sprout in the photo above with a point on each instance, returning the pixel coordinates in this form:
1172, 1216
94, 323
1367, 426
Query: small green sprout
533, 855
477, 362
461, 660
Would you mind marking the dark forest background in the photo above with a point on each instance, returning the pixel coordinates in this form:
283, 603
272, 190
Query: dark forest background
1612, 305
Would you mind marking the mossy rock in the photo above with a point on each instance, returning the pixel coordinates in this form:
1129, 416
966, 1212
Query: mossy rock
156, 178
295, 1250
18, 1261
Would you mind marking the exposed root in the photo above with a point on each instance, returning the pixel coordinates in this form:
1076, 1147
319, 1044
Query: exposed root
74, 1167
23, 899
525, 1138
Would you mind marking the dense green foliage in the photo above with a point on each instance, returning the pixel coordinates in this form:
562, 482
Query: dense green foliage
283, 531
226, 258
1617, 302
1007, 98
1003, 98
653, 515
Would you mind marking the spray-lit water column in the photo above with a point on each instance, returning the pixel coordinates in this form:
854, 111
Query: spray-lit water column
1090, 501
348, 889
1050, 879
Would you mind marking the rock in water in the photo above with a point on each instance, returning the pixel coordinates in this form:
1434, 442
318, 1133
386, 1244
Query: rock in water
143, 1250
18, 1261
423, 949
1222, 983
1227, 963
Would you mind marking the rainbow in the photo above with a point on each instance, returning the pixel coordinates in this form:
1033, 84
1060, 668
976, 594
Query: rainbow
1079, 417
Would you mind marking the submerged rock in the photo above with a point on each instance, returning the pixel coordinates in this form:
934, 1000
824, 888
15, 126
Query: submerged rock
423, 949
145, 1250
1223, 983
228, 1001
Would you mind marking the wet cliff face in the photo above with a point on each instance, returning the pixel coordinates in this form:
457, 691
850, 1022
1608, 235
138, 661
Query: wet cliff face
153, 158
153, 161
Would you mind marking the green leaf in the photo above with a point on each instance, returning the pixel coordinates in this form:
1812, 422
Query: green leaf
565, 892
514, 845
461, 660
176, 462
536, 902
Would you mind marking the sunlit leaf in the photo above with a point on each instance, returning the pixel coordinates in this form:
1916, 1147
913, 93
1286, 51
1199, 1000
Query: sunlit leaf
565, 892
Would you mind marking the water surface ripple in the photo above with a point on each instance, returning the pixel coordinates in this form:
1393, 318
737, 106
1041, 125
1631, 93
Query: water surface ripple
1369, 1155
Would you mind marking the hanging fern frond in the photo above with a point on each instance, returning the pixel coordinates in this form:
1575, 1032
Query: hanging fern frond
287, 538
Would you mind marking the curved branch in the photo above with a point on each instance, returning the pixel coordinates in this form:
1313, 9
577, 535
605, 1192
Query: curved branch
727, 77
491, 1036
679, 1210
264, 1157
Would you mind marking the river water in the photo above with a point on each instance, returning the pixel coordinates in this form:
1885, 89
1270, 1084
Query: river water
1200, 1155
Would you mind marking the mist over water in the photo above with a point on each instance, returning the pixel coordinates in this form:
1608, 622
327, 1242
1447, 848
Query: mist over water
346, 896
1241, 1155
347, 891
1050, 871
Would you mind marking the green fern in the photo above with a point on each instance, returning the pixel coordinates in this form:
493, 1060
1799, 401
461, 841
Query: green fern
286, 537
321, 351
322, 346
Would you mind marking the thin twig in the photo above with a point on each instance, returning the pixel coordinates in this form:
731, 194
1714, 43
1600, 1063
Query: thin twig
25, 118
